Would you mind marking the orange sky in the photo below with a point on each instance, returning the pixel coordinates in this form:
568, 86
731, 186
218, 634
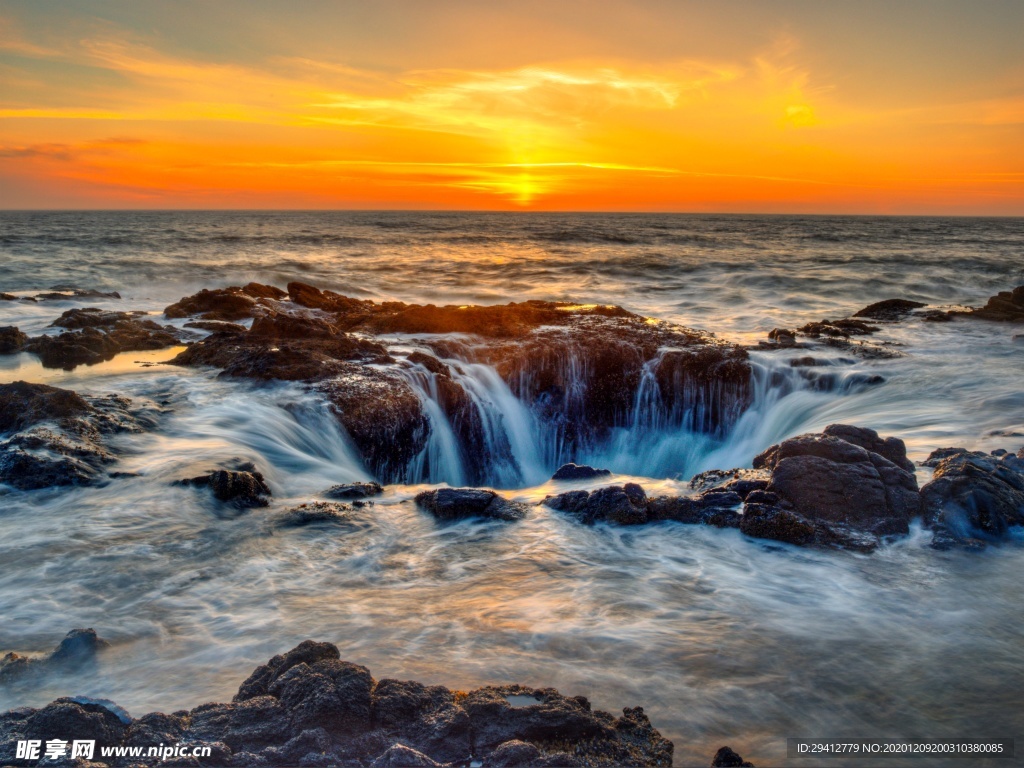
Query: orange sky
732, 106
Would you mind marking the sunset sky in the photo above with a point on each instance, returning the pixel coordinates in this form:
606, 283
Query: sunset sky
902, 106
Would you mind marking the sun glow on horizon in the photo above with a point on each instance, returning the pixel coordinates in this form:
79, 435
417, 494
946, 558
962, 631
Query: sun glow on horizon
119, 118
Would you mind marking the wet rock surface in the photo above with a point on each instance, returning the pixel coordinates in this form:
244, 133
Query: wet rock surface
889, 309
974, 497
578, 472
577, 368
354, 491
1005, 306
242, 488
11, 340
314, 513
846, 487
78, 649
308, 707
56, 437
622, 504
462, 503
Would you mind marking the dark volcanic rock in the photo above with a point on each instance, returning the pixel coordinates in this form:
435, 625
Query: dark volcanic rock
11, 340
461, 503
578, 472
77, 649
92, 317
243, 489
102, 336
718, 507
622, 504
890, 309
315, 512
975, 495
307, 707
1005, 306
829, 491
58, 436
726, 758
354, 491
216, 326
232, 303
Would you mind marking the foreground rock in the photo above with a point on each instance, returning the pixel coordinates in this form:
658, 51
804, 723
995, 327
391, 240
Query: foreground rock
462, 503
846, 487
308, 707
577, 368
77, 649
56, 437
974, 497
95, 335
243, 488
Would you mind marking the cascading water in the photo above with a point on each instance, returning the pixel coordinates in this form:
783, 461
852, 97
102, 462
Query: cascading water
676, 427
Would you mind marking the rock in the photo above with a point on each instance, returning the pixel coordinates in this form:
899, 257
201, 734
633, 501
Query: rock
11, 340
424, 717
828, 491
514, 754
233, 303
77, 649
315, 512
717, 507
400, 756
58, 435
936, 316
578, 472
783, 337
1005, 306
625, 505
99, 339
216, 326
726, 758
92, 317
936, 457
975, 496
462, 503
354, 491
243, 489
64, 293
890, 309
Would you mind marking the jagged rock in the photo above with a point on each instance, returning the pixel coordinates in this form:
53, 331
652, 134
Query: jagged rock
1005, 306
78, 647
717, 507
578, 472
354, 491
783, 337
890, 309
11, 340
241, 488
58, 435
233, 303
461, 503
315, 512
307, 707
100, 340
974, 496
726, 758
829, 491
838, 328
937, 456
625, 505
92, 317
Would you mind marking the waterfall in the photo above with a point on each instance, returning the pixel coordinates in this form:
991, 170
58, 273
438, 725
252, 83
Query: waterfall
487, 431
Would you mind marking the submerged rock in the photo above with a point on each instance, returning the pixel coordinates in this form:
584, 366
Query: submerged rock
974, 496
78, 648
354, 491
890, 309
845, 487
462, 503
242, 488
578, 472
309, 707
56, 437
315, 512
622, 504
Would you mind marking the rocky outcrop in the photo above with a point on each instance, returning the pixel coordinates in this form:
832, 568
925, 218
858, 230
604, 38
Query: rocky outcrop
77, 649
1005, 306
95, 335
11, 340
622, 504
726, 758
578, 472
974, 497
889, 309
578, 368
845, 487
55, 437
308, 707
243, 488
462, 503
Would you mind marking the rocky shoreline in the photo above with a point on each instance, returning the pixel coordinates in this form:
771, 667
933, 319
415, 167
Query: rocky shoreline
309, 708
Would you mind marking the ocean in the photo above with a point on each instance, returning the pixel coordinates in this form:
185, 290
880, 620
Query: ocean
722, 639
